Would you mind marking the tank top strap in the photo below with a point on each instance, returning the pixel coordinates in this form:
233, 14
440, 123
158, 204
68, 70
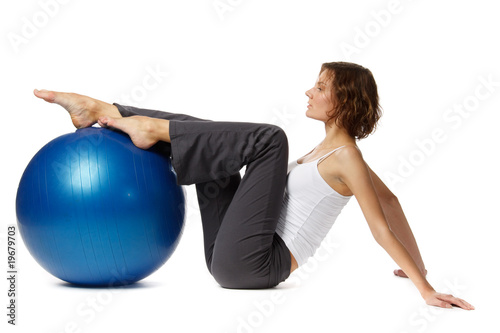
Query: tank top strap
328, 154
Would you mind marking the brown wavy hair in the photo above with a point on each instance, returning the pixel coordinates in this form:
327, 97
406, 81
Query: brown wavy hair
356, 103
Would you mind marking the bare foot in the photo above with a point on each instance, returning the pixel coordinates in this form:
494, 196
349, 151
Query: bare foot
83, 110
143, 131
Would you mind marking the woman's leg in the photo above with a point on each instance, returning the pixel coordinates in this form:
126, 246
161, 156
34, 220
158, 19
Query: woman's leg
247, 252
129, 111
214, 197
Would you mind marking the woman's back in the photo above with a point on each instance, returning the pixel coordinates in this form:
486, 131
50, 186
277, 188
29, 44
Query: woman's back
310, 207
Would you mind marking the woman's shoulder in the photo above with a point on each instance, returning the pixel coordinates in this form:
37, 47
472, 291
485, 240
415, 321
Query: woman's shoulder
349, 152
346, 157
350, 147
345, 163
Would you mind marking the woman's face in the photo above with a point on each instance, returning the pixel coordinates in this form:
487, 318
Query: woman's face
320, 99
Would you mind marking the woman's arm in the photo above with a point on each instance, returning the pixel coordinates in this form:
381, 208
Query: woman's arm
397, 221
356, 175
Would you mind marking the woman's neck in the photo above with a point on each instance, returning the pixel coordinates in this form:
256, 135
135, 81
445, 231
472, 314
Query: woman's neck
335, 137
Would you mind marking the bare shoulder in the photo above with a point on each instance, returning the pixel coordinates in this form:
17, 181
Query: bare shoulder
350, 160
345, 162
345, 156
350, 152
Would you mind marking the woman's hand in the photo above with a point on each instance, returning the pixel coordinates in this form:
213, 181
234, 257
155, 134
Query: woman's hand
401, 273
437, 299
445, 300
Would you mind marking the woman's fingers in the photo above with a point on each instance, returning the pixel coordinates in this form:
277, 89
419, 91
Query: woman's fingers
439, 300
447, 301
455, 301
441, 304
401, 273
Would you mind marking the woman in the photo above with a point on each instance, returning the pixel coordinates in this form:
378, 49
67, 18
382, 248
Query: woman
260, 228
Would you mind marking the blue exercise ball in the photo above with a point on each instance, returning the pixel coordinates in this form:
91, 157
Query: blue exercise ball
93, 209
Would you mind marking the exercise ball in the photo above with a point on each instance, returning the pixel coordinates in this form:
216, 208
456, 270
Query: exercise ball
93, 209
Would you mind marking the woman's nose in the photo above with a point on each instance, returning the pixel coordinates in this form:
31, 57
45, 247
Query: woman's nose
308, 94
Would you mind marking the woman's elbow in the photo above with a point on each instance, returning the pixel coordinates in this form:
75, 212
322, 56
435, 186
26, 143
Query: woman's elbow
390, 200
382, 234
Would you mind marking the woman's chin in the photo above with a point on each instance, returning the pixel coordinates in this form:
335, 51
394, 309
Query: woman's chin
314, 117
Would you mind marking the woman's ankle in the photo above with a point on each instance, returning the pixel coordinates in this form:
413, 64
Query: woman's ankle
106, 109
161, 129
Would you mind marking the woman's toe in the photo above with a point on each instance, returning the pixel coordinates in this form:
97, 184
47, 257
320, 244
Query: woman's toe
48, 96
103, 121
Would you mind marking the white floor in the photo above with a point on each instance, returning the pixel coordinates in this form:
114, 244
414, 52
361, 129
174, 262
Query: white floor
253, 61
348, 287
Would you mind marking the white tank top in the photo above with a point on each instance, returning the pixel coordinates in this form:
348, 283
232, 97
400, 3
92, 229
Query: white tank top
310, 207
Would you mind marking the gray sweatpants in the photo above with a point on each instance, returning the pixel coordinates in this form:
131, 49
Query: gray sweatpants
239, 215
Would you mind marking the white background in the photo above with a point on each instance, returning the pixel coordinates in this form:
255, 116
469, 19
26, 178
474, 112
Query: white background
253, 62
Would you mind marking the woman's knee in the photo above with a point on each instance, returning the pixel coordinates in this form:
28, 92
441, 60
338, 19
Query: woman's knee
277, 135
272, 140
236, 274
228, 278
